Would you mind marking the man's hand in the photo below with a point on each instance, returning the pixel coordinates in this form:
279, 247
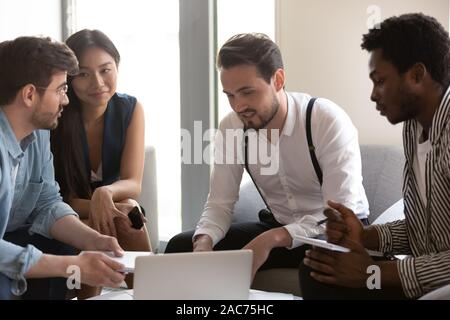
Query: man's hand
98, 270
343, 269
202, 242
342, 223
264, 243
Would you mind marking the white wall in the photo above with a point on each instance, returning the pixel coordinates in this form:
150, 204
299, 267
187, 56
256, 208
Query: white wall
30, 18
320, 41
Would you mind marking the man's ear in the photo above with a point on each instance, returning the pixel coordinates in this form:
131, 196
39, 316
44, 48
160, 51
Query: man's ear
29, 95
279, 79
418, 73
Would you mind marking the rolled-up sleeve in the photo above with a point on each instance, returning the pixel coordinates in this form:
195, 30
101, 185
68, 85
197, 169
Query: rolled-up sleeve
224, 187
49, 206
15, 261
218, 214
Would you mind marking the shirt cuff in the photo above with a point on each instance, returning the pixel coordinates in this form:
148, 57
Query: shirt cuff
27, 258
215, 233
385, 238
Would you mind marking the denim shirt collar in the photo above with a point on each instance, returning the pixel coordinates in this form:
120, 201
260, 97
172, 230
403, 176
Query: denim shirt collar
14, 148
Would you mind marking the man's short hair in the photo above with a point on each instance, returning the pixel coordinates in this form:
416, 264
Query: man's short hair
413, 38
31, 60
254, 49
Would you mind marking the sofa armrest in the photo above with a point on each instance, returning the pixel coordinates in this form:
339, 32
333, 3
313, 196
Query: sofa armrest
148, 198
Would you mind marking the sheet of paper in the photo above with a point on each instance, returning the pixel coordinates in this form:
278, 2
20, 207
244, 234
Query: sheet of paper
128, 258
322, 244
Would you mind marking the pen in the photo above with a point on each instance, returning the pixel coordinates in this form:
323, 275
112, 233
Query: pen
322, 221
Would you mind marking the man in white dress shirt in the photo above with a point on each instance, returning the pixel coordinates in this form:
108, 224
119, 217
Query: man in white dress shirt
253, 78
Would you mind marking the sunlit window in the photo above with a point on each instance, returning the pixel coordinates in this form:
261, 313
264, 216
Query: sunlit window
146, 35
237, 16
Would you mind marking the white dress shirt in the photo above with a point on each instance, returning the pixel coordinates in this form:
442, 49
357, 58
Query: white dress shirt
293, 192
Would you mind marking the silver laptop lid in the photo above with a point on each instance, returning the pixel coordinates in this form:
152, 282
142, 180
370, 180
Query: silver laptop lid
216, 275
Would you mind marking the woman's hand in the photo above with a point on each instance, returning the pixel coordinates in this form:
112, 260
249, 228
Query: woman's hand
103, 212
126, 226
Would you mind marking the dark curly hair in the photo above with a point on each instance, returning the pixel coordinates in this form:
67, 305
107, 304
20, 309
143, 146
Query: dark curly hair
413, 38
251, 49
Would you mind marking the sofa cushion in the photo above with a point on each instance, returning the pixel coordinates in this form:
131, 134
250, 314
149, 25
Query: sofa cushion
382, 170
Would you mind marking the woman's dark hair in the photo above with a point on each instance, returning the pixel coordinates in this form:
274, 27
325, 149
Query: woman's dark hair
413, 38
66, 140
254, 49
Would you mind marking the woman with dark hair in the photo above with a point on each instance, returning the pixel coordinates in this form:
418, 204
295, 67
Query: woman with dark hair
98, 146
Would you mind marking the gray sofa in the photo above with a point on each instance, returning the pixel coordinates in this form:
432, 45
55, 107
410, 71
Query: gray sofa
382, 168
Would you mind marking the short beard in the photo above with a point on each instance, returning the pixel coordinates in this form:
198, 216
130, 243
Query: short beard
44, 121
409, 107
264, 122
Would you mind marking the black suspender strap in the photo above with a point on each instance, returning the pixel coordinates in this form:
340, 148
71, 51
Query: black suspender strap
248, 170
311, 147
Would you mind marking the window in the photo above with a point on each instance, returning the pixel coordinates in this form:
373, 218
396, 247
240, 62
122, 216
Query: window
146, 35
25, 18
237, 16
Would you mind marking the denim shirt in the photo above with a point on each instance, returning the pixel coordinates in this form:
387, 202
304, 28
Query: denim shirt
35, 200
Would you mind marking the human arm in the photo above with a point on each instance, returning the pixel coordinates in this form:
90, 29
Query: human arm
263, 244
102, 206
19, 263
224, 190
337, 149
416, 276
217, 215
96, 268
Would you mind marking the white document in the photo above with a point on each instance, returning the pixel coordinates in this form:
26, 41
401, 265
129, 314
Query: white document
322, 244
128, 258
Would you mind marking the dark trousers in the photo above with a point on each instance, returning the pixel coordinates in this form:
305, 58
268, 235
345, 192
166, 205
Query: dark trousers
314, 290
237, 237
46, 288
5, 287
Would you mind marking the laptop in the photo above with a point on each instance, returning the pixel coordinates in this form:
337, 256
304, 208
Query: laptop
215, 275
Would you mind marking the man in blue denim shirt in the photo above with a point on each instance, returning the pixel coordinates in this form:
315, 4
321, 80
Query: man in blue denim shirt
33, 219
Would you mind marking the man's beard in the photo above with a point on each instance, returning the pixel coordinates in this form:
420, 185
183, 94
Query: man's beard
45, 121
265, 120
409, 107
